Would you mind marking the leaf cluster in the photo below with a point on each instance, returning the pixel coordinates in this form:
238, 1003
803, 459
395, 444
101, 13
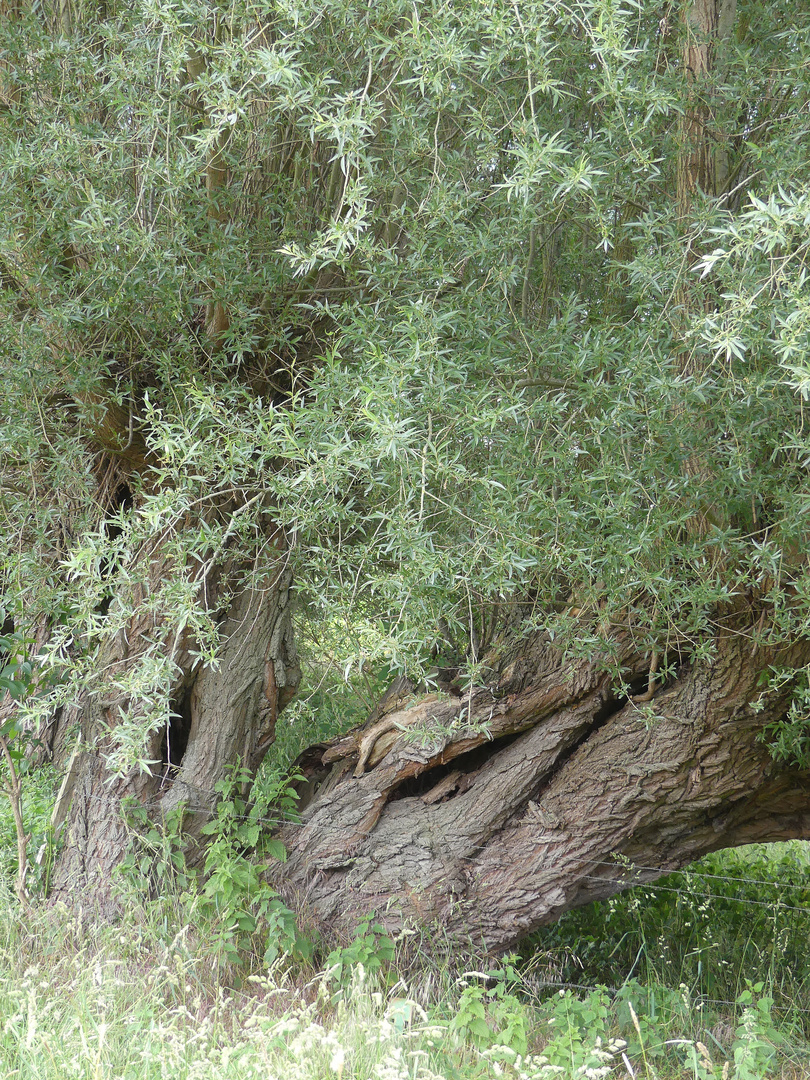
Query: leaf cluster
468, 358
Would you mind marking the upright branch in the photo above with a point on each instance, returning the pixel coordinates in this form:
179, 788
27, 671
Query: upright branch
10, 84
703, 159
217, 320
12, 789
702, 170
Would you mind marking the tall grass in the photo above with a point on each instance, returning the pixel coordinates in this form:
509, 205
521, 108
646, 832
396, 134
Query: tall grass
734, 919
136, 1002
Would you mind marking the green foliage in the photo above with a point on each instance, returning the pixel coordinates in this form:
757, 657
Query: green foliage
37, 799
371, 948
337, 691
473, 354
243, 915
756, 1036
577, 1042
488, 1014
17, 672
740, 914
644, 1012
654, 1030
789, 738
236, 899
30, 802
155, 862
19, 680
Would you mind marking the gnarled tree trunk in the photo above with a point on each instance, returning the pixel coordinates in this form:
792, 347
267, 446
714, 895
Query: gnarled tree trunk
221, 716
494, 815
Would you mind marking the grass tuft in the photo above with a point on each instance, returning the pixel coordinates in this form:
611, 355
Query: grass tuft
133, 1001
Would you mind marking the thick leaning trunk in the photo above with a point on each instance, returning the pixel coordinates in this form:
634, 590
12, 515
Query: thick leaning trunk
493, 834
222, 716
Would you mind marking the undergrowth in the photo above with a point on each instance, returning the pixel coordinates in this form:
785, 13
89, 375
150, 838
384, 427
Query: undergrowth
131, 1003
38, 788
734, 918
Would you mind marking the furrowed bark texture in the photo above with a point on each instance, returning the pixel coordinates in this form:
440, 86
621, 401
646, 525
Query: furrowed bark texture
222, 716
703, 161
493, 835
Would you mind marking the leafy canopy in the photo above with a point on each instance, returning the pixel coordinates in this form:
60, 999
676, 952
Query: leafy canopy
408, 281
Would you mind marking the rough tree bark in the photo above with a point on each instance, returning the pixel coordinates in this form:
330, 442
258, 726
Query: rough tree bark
494, 815
223, 716
220, 716
703, 158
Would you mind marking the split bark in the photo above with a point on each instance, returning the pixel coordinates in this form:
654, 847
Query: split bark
224, 715
550, 792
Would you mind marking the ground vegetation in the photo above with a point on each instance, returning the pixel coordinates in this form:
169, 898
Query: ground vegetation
472, 336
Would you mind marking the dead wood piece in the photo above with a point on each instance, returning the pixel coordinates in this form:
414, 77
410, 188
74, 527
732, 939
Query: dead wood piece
342, 749
398, 722
444, 787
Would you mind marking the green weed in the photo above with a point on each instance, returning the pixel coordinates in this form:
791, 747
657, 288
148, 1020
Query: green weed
488, 1014
242, 915
371, 948
734, 916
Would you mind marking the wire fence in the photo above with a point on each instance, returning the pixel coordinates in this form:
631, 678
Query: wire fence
627, 884
626, 877
623, 879
697, 1000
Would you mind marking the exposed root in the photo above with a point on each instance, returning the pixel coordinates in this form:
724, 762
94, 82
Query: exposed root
649, 693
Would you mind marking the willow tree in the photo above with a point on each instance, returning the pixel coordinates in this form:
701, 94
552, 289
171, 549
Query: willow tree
485, 320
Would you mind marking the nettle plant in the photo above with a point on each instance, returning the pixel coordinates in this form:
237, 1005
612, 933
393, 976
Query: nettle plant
236, 898
489, 1012
371, 951
243, 914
